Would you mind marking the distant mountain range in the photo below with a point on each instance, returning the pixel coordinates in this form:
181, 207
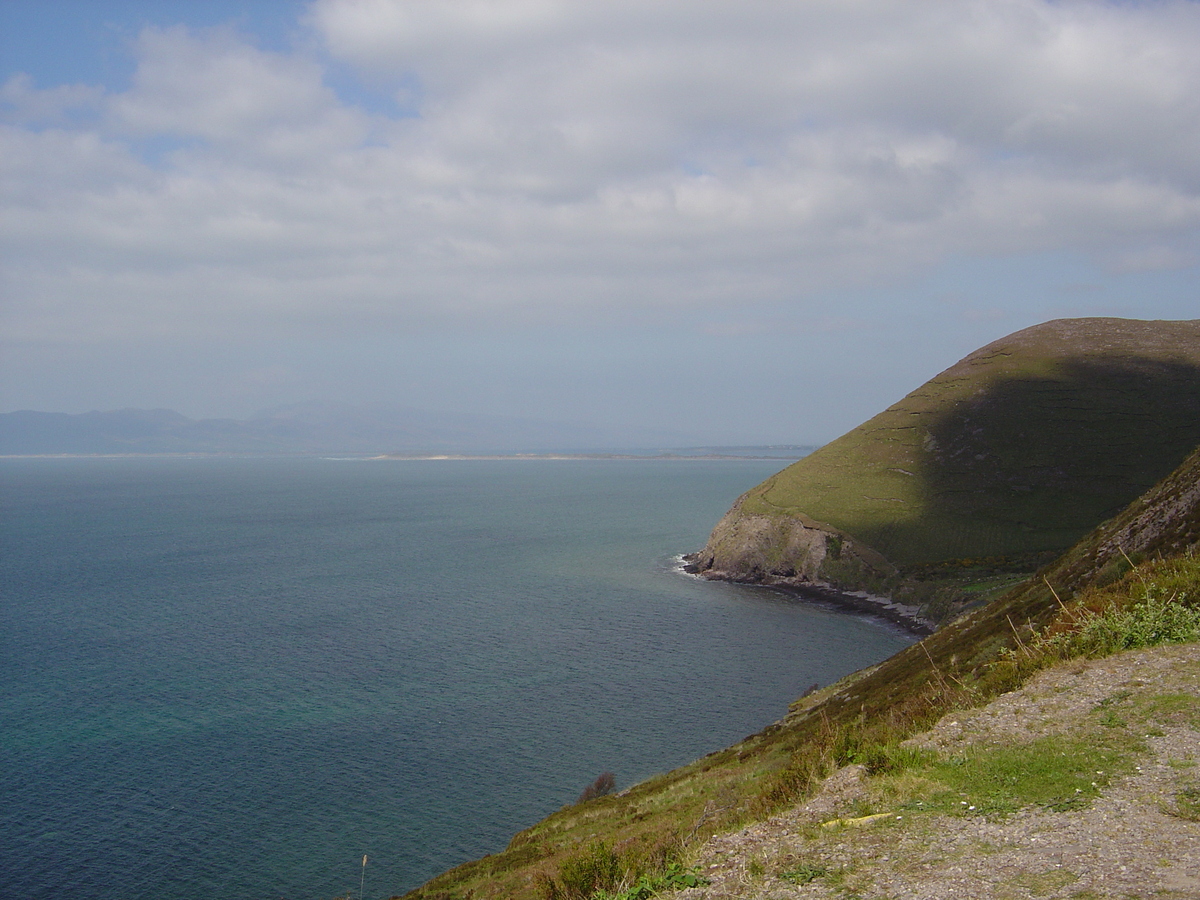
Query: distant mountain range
321, 428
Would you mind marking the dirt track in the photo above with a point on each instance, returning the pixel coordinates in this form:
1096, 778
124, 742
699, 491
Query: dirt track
1131, 841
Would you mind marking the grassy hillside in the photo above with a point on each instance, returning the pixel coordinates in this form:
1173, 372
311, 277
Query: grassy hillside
1018, 449
651, 830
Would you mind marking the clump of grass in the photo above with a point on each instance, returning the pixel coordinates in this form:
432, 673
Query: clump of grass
602, 873
1175, 708
1155, 603
1187, 803
674, 878
1042, 883
876, 756
804, 874
804, 770
597, 869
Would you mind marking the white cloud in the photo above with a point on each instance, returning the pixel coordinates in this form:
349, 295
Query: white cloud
569, 158
218, 88
22, 102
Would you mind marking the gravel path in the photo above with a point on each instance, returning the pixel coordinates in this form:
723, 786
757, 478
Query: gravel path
1139, 838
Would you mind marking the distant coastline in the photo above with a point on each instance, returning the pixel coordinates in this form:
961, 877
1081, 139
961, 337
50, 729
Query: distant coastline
315, 429
668, 456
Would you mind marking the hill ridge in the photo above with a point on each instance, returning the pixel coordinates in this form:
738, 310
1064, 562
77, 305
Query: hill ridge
1012, 453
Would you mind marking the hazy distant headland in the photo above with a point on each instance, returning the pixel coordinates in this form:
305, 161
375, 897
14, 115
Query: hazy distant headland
328, 428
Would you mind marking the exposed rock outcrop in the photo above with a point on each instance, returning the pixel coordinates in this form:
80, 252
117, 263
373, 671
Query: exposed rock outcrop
756, 547
801, 555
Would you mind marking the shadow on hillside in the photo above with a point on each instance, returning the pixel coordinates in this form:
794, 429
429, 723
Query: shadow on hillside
1033, 463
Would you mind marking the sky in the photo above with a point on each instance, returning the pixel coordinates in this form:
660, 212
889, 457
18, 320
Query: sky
738, 223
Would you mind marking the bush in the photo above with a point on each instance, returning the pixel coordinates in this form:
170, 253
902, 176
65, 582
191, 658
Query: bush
604, 785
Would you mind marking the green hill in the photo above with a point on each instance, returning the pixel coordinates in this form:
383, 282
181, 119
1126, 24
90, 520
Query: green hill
1017, 450
1143, 560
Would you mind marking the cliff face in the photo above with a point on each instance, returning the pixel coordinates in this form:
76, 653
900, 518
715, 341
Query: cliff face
1018, 449
785, 549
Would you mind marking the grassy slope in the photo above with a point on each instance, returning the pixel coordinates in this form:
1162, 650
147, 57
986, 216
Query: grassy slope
1019, 448
963, 664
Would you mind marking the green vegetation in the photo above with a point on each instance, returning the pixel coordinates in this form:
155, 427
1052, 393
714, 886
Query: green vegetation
1017, 450
1187, 803
1134, 581
1052, 773
600, 873
804, 874
673, 878
595, 871
1154, 619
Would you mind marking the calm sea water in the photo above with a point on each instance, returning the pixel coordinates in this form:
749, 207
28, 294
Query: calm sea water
233, 678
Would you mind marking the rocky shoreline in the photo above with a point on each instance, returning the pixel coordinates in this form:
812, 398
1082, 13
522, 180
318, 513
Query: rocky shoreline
904, 615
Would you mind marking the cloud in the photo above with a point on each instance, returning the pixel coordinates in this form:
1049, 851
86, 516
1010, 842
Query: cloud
218, 88
20, 101
567, 161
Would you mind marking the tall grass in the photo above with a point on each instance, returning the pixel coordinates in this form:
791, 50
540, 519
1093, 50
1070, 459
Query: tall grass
1155, 603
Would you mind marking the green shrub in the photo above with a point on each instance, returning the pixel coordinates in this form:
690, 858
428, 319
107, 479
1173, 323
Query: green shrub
597, 869
805, 768
1156, 619
675, 877
1151, 605
877, 757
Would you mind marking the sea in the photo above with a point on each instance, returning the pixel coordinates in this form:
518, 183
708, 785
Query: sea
238, 677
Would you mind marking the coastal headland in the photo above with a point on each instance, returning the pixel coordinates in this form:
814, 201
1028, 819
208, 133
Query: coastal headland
982, 474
